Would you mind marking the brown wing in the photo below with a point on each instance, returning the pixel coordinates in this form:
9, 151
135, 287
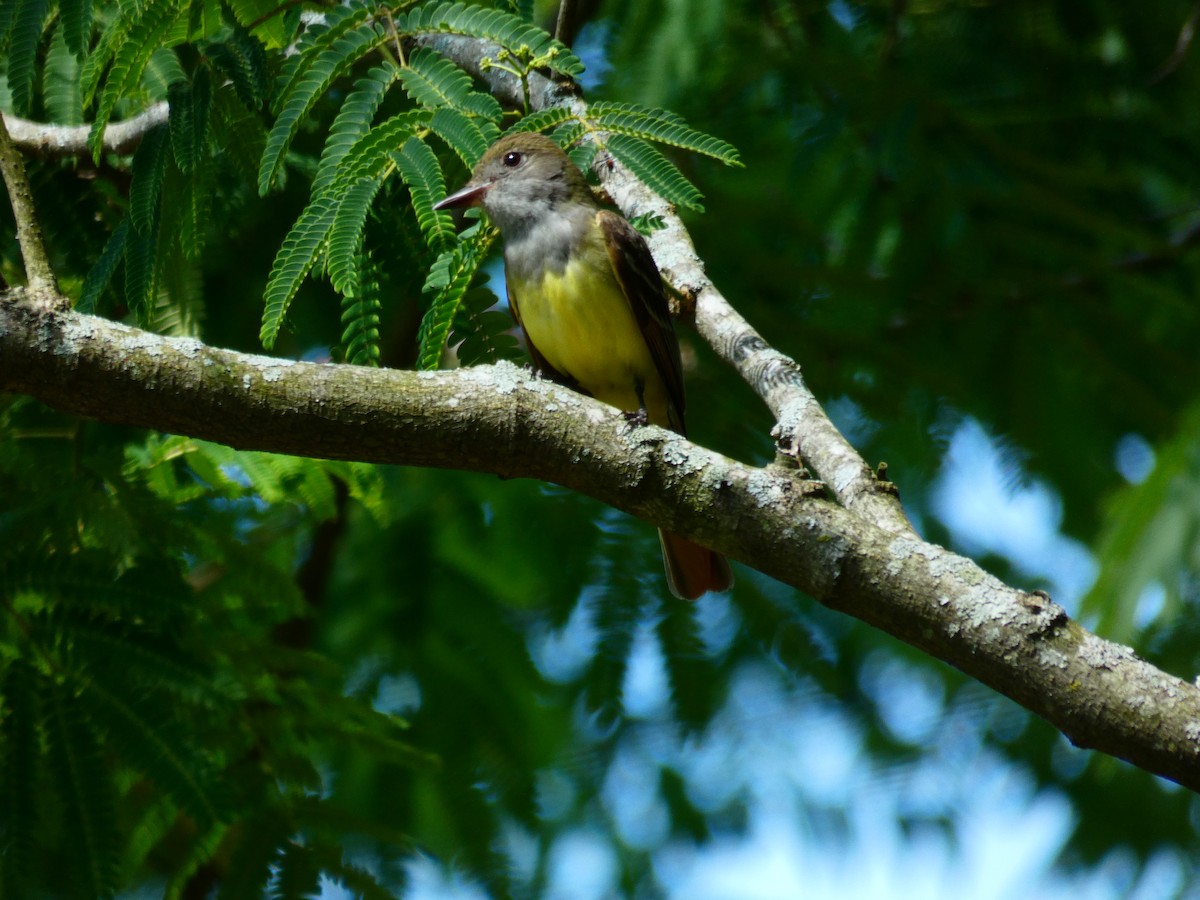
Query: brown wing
539, 361
639, 278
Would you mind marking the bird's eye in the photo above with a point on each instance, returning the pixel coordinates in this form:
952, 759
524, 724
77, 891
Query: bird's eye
512, 159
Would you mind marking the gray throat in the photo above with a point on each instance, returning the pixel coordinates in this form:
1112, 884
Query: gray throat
540, 234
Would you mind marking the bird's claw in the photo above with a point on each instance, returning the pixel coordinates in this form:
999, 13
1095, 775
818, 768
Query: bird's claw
638, 417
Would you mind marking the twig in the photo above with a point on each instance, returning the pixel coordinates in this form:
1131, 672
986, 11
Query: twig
562, 28
40, 276
572, 16
272, 13
62, 141
395, 38
1182, 44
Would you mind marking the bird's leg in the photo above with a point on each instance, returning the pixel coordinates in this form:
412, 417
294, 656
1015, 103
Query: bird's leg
640, 416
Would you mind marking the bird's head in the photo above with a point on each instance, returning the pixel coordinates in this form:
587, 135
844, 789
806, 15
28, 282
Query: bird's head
521, 178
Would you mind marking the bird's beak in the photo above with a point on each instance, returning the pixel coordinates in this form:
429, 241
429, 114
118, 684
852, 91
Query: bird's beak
470, 194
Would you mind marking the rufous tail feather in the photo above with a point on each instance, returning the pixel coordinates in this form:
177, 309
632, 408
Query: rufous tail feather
692, 570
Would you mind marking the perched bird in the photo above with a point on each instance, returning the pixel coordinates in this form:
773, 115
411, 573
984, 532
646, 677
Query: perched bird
584, 288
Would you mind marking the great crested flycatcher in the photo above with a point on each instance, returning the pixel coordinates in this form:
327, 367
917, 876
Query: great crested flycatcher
584, 288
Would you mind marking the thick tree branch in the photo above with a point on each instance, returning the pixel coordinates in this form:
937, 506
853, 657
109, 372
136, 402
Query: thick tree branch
62, 141
38, 273
497, 419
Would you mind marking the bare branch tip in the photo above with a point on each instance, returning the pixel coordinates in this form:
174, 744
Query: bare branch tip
40, 276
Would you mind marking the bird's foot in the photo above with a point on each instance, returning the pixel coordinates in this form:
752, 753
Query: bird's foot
638, 417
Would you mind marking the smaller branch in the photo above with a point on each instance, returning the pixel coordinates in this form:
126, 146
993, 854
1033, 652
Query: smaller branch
1147, 262
395, 38
477, 56
1182, 45
64, 141
40, 276
272, 13
562, 28
572, 16
891, 40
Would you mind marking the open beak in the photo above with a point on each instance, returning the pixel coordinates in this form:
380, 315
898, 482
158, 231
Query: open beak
469, 195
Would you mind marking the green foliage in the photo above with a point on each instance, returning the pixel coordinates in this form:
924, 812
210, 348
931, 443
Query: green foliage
62, 97
102, 272
467, 137
433, 81
527, 44
658, 173
243, 60
266, 20
149, 168
299, 253
89, 797
300, 94
1151, 539
454, 274
76, 18
118, 668
659, 125
24, 35
419, 168
131, 65
141, 264
146, 31
346, 234
484, 333
353, 120
191, 104
624, 129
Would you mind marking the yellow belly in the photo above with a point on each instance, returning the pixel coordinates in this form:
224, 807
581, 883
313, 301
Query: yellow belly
581, 322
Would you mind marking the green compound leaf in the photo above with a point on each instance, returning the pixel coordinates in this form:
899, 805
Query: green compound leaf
449, 280
434, 81
147, 33
466, 136
656, 171
421, 171
353, 121
661, 126
316, 80
300, 251
346, 234
507, 30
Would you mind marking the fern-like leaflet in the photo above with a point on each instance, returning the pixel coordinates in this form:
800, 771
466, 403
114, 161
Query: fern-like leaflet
360, 317
77, 766
353, 121
450, 277
656, 171
467, 136
28, 19
346, 234
419, 168
190, 105
148, 28
329, 65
